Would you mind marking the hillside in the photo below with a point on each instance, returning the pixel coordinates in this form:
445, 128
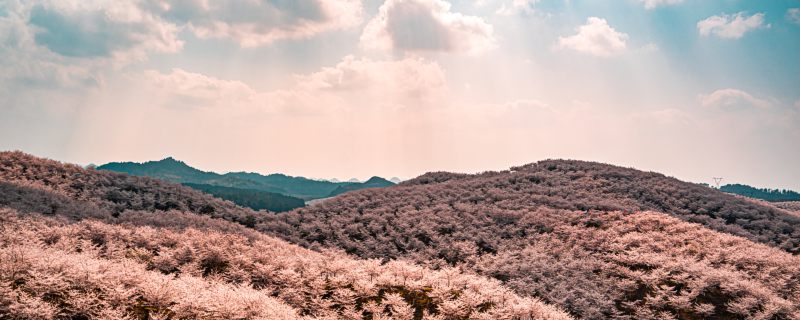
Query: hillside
374, 182
173, 170
253, 199
149, 263
31, 184
580, 185
589, 247
90, 269
772, 195
580, 235
788, 205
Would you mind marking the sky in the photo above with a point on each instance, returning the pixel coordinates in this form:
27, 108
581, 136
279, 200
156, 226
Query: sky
693, 89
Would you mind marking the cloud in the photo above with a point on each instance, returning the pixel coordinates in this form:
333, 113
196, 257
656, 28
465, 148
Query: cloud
597, 38
732, 99
409, 82
352, 84
189, 89
793, 15
68, 44
100, 29
425, 26
254, 23
130, 30
71, 43
521, 6
25, 64
731, 26
652, 4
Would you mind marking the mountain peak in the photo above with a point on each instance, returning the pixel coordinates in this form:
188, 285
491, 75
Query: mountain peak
170, 160
376, 179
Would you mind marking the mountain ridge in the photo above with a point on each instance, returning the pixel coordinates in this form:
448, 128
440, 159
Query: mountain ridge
178, 171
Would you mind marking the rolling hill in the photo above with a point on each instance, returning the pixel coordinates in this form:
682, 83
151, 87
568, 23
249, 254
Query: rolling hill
135, 257
31, 184
597, 240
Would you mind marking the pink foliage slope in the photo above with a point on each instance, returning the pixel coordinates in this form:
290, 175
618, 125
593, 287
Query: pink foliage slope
580, 236
55, 269
33, 184
596, 262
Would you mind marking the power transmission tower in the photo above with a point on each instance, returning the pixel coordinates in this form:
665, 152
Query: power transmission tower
717, 181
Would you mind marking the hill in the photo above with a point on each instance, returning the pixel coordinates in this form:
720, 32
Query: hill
31, 184
597, 240
253, 199
772, 195
150, 262
374, 182
173, 170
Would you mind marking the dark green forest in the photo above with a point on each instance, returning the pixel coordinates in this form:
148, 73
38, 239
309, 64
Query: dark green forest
772, 195
253, 199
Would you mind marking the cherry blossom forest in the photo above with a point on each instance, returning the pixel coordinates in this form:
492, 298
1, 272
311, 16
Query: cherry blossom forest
553, 239
399, 159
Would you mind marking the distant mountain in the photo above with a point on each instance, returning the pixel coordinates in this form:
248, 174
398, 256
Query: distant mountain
396, 180
254, 199
374, 182
173, 170
772, 195
354, 180
167, 169
299, 187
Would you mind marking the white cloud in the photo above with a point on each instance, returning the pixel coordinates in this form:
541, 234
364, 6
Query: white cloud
353, 84
189, 89
652, 4
254, 23
597, 38
731, 26
793, 15
732, 99
426, 25
516, 6
409, 82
